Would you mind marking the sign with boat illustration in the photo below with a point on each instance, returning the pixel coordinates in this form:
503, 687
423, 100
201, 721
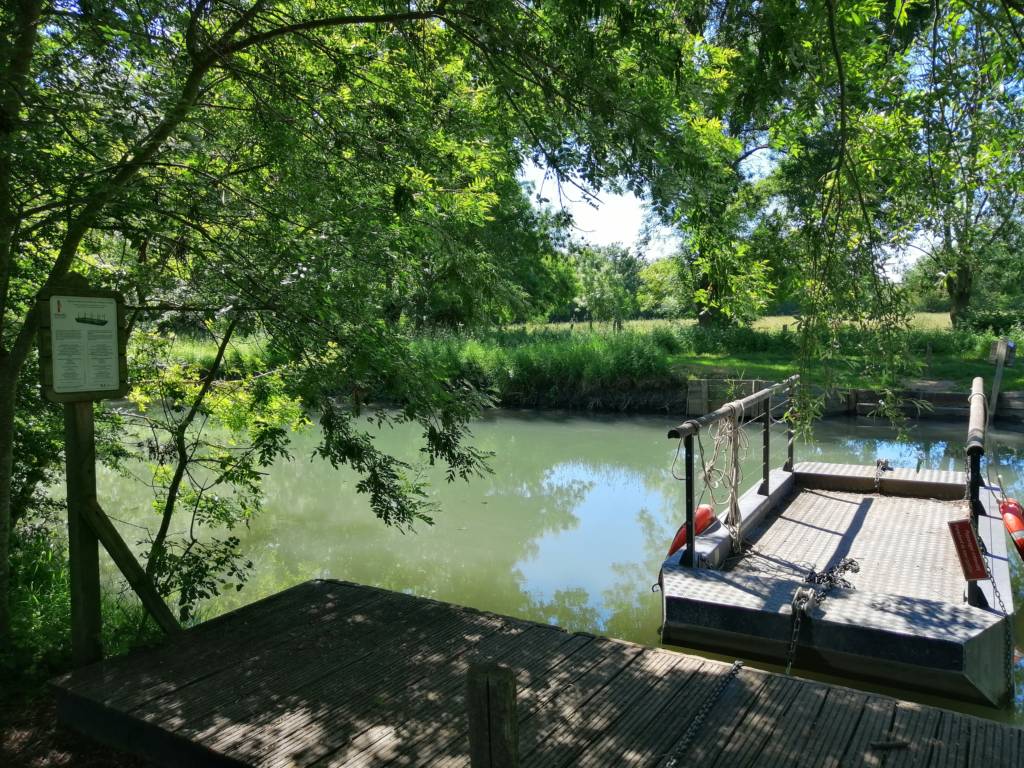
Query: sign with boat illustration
81, 343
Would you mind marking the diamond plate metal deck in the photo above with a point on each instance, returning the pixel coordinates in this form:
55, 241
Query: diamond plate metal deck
902, 544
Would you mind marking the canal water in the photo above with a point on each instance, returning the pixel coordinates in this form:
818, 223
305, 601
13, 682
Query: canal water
570, 528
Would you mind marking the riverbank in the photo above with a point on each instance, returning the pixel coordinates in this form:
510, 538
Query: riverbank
649, 365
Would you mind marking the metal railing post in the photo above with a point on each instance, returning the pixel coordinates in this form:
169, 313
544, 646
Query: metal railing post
975, 445
689, 554
766, 419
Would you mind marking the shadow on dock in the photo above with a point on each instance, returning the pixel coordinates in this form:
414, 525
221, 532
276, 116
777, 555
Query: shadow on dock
337, 674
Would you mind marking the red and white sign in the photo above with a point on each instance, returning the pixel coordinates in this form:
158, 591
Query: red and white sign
971, 560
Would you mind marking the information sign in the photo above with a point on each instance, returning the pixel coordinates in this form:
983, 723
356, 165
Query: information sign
83, 334
82, 344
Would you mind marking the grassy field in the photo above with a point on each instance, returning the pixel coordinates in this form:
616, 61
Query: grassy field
921, 321
579, 366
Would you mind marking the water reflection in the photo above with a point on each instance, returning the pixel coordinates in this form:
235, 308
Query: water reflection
570, 528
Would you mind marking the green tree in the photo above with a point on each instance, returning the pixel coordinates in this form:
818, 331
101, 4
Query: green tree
972, 118
308, 170
665, 289
608, 280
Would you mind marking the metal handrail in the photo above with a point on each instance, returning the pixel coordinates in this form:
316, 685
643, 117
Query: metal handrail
739, 407
975, 444
976, 425
744, 405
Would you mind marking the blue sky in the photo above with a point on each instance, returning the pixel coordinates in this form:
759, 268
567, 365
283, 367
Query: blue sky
611, 218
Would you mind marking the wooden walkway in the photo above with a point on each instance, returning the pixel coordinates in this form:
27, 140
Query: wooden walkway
336, 674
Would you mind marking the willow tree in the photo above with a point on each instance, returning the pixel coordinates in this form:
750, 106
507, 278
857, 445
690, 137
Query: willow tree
306, 162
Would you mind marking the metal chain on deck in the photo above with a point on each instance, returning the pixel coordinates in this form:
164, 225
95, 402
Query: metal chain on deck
693, 729
806, 598
986, 559
881, 465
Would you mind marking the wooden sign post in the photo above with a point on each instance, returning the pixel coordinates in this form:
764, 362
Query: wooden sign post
82, 358
1002, 353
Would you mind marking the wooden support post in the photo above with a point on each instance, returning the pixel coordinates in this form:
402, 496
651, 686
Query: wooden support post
493, 721
129, 566
83, 547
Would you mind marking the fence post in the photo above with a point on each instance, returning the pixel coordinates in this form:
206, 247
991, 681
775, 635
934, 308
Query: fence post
493, 722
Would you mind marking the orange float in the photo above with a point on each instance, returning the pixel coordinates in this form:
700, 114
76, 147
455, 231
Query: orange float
704, 516
1015, 526
1011, 507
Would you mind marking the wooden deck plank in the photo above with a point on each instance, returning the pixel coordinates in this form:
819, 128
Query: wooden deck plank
874, 727
916, 726
952, 740
794, 727
757, 726
635, 739
360, 677
557, 709
343, 714
181, 670
561, 678
439, 728
992, 744
574, 680
298, 656
560, 745
257, 719
224, 633
725, 714
832, 729
664, 732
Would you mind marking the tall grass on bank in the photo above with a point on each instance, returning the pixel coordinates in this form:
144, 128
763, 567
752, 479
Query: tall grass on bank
646, 366
41, 610
559, 369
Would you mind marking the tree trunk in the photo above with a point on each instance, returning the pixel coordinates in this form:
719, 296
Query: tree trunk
959, 286
8, 388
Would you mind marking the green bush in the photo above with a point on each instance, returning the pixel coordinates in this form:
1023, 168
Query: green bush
734, 339
998, 321
41, 608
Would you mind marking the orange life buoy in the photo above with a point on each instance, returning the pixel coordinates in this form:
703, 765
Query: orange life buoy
704, 517
1011, 507
1016, 528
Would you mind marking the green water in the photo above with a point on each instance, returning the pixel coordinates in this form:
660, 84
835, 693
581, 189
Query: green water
570, 528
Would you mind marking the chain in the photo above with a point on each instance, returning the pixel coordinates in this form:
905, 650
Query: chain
702, 714
800, 600
986, 559
881, 465
806, 598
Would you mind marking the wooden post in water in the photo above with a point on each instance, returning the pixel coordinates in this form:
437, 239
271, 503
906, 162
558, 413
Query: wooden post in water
83, 546
493, 721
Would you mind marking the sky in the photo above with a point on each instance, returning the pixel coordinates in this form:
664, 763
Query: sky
619, 218
612, 218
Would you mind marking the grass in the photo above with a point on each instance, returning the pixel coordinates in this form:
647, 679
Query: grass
41, 608
583, 366
243, 354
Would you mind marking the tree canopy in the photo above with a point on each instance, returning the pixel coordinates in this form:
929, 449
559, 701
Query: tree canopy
334, 175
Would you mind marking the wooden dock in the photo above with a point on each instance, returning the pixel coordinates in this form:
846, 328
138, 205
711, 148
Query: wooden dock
331, 673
